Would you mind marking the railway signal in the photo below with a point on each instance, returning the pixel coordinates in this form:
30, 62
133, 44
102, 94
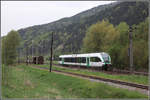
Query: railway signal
51, 53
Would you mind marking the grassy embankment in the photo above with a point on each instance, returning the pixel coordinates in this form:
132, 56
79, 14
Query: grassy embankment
27, 82
140, 79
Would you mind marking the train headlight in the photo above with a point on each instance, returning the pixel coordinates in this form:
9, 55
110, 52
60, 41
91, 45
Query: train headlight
103, 64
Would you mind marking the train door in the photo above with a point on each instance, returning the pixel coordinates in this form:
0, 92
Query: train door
62, 60
88, 61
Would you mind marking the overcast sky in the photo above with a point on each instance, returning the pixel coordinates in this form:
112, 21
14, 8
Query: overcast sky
22, 14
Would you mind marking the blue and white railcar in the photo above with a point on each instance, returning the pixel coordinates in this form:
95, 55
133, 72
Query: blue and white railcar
90, 60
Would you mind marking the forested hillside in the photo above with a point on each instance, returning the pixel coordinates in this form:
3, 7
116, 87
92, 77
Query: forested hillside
69, 32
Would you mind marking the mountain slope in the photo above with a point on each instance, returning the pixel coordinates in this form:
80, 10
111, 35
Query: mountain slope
69, 32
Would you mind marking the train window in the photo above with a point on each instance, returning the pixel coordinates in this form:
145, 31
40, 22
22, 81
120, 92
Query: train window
60, 59
72, 60
83, 60
79, 59
69, 59
76, 60
105, 56
95, 59
66, 59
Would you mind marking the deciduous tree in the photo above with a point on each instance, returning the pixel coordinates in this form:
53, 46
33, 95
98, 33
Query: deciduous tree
9, 47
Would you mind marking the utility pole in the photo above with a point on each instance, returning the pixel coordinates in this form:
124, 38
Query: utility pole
18, 56
32, 51
43, 47
131, 50
32, 48
27, 59
51, 53
37, 53
27, 55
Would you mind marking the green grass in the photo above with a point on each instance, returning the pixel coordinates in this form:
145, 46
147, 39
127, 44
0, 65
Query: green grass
140, 79
55, 62
27, 82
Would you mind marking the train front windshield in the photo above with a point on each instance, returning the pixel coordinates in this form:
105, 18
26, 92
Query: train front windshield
105, 57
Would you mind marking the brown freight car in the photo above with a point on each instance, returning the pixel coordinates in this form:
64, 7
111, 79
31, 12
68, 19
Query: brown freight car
35, 59
38, 60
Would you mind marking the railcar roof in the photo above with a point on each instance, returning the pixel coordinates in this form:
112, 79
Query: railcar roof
82, 55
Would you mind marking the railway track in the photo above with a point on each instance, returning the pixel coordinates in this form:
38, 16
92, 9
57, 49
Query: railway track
115, 71
107, 80
140, 86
